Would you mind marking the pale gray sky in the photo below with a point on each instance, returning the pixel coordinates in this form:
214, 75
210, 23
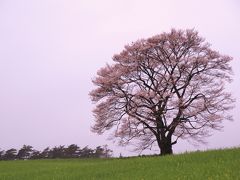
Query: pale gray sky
51, 49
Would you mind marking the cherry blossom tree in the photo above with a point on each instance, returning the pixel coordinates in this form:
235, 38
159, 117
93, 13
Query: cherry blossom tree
163, 88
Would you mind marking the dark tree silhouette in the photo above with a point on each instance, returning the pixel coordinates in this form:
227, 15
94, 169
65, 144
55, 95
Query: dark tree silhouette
57, 152
45, 153
10, 154
72, 151
2, 152
25, 152
36, 155
86, 152
102, 152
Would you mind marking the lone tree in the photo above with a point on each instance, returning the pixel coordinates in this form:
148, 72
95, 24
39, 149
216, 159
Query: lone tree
163, 88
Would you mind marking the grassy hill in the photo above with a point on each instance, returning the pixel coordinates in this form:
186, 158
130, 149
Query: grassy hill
215, 164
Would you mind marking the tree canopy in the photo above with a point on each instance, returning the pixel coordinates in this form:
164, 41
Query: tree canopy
163, 88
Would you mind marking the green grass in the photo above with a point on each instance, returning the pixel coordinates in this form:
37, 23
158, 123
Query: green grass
215, 164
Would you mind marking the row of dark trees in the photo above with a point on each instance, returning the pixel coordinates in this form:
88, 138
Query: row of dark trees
71, 151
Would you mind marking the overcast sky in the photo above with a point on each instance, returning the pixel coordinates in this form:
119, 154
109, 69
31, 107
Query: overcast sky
51, 49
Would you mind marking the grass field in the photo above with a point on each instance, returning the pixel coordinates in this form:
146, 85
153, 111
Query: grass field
216, 164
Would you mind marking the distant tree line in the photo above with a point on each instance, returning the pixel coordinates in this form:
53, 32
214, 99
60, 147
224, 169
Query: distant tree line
71, 151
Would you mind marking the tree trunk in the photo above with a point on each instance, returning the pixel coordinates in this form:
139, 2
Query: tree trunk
165, 146
166, 149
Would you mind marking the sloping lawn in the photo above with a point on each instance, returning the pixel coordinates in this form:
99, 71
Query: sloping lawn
216, 164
